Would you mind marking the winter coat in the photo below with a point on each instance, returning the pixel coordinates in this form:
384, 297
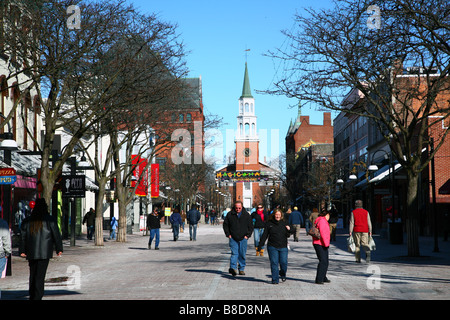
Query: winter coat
277, 233
258, 223
324, 228
296, 217
238, 227
175, 218
154, 221
193, 216
40, 245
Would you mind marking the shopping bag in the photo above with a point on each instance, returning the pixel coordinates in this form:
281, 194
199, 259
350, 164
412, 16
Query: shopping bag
372, 245
351, 244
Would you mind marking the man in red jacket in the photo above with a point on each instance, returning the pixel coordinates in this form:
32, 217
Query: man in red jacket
361, 229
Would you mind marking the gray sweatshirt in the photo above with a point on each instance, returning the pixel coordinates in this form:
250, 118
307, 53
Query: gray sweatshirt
5, 239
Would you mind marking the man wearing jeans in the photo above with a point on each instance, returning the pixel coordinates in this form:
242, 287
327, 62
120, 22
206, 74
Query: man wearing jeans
154, 224
238, 227
193, 217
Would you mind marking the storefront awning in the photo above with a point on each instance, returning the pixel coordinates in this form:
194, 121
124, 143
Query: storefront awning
26, 166
384, 173
379, 175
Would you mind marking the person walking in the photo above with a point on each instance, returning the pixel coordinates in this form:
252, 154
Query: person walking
175, 221
360, 228
313, 216
89, 219
296, 220
114, 225
154, 224
308, 222
183, 219
334, 217
277, 231
39, 235
5, 246
321, 246
193, 217
238, 228
259, 218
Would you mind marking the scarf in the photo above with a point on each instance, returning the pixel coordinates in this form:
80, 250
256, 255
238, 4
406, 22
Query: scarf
261, 214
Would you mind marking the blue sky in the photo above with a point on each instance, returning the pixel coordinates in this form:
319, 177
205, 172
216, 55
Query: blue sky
216, 34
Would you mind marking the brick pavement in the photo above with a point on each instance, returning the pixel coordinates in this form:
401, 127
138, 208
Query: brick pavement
187, 270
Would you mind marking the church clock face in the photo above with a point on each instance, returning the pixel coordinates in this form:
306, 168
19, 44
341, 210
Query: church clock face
247, 152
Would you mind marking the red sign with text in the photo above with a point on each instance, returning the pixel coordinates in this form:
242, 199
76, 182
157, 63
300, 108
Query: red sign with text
141, 175
154, 180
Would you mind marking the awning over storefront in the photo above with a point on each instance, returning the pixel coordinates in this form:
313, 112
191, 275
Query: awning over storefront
384, 173
26, 167
379, 175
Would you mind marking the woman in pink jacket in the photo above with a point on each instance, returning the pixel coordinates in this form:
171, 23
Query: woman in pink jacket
321, 246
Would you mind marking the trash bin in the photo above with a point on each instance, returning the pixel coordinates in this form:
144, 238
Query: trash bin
395, 232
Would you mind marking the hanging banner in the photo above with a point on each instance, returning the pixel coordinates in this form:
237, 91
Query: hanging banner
154, 180
141, 175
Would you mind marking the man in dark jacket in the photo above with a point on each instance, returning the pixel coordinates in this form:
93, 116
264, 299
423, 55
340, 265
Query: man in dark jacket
39, 234
89, 218
296, 220
154, 224
238, 227
193, 217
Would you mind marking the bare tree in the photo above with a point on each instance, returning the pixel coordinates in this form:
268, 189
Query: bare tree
150, 64
116, 69
366, 45
62, 65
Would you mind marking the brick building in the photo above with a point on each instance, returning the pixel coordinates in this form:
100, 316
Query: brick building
308, 147
179, 136
382, 191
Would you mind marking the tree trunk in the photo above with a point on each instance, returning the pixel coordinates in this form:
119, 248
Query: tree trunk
122, 232
99, 214
412, 215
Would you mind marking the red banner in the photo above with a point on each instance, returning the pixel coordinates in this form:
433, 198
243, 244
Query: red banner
154, 180
140, 175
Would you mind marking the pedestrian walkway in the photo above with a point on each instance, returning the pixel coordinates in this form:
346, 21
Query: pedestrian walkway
188, 270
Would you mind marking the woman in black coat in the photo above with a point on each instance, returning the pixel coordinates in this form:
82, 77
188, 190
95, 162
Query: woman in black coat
277, 231
40, 234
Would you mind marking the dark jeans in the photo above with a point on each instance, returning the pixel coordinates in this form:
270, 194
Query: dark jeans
176, 231
38, 269
322, 267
